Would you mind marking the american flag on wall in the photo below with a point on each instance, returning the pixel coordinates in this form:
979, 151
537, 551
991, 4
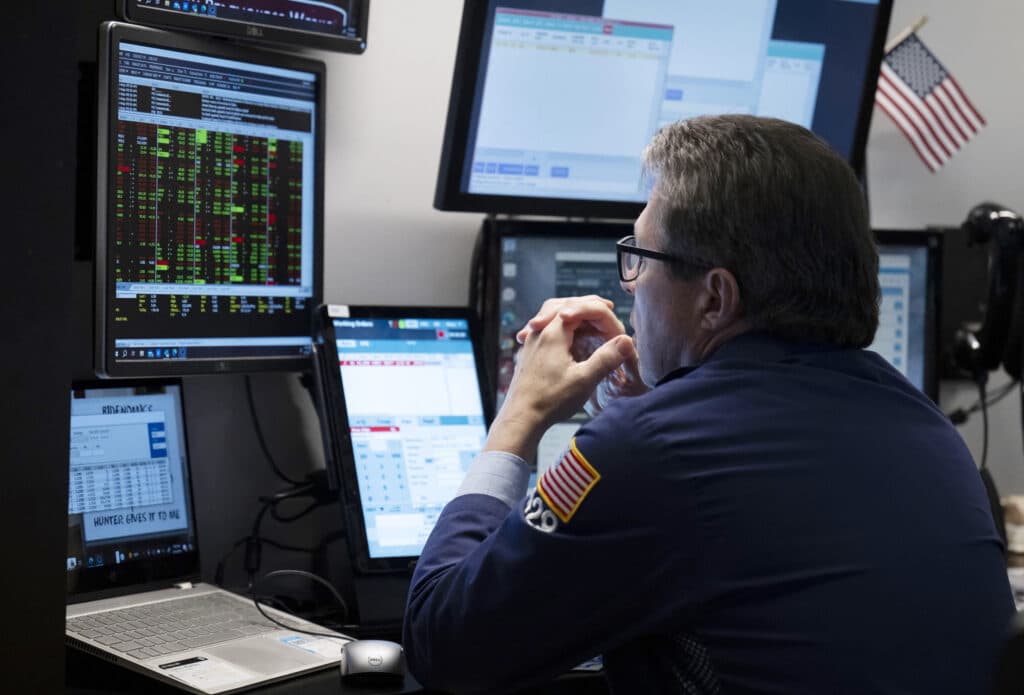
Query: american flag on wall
925, 102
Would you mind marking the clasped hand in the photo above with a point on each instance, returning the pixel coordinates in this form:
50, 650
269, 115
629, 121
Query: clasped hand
575, 354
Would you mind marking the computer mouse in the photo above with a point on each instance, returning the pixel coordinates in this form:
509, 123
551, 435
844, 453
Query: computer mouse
372, 661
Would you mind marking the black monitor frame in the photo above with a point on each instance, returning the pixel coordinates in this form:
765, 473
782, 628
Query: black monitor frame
251, 30
459, 127
932, 240
112, 34
334, 418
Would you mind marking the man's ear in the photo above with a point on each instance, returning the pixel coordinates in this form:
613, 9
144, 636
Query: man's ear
721, 303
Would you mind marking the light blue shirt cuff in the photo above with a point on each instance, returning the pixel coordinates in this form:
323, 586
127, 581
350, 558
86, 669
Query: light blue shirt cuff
498, 474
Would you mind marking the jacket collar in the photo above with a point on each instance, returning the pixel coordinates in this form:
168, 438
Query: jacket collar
752, 345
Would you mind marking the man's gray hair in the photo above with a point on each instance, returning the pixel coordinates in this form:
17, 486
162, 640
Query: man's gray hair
775, 205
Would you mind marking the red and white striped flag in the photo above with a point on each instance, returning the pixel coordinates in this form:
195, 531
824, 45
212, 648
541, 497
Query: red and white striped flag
925, 102
564, 485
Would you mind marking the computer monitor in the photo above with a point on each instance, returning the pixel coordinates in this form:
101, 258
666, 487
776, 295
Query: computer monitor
532, 261
910, 266
210, 205
130, 515
553, 101
405, 413
336, 25
527, 262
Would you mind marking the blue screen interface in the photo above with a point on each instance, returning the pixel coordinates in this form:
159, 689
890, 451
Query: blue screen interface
416, 418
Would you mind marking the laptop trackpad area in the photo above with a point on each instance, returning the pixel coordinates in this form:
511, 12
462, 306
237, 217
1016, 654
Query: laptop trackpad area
268, 655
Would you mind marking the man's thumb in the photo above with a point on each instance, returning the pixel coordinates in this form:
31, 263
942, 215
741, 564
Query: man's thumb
609, 356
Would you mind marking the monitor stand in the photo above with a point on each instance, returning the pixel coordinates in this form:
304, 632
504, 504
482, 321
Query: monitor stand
376, 601
381, 605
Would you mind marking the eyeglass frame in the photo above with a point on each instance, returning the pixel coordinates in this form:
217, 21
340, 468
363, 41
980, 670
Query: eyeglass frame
622, 248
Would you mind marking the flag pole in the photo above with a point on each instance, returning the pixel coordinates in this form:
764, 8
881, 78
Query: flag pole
912, 29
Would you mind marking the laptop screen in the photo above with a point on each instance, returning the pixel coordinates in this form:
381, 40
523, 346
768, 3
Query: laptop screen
129, 504
415, 418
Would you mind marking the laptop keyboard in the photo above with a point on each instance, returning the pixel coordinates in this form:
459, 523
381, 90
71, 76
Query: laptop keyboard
166, 627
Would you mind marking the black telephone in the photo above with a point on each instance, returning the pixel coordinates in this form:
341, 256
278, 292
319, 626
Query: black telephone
997, 340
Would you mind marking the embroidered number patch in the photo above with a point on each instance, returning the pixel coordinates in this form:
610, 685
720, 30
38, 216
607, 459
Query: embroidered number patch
565, 485
538, 515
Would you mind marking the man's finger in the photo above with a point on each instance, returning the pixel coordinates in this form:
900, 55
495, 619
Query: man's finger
631, 369
548, 311
599, 314
580, 309
585, 308
608, 357
523, 334
604, 323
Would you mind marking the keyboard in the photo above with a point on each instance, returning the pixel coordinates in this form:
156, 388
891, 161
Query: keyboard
166, 627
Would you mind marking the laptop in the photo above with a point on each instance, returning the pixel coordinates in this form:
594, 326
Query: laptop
405, 414
133, 556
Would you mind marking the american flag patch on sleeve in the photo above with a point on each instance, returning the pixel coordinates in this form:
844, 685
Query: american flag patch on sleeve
567, 483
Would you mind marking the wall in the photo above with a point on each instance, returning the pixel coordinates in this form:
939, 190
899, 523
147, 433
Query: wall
975, 42
971, 42
385, 242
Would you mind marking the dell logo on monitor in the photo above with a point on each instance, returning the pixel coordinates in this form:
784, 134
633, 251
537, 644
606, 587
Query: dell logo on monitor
251, 30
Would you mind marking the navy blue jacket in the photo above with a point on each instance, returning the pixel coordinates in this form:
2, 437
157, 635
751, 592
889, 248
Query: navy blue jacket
782, 519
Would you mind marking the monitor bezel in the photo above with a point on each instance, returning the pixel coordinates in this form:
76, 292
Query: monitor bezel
104, 582
132, 11
465, 77
112, 34
334, 418
932, 240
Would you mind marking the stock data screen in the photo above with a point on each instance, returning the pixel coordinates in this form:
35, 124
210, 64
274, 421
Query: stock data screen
416, 418
210, 246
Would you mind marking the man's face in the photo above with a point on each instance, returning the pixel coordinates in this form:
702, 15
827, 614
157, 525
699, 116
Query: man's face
664, 317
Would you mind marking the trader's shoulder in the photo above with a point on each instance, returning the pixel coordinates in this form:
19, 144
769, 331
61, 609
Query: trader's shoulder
630, 430
679, 399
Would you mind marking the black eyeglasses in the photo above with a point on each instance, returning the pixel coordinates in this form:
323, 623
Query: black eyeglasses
631, 258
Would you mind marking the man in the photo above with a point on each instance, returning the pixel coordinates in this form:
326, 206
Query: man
774, 509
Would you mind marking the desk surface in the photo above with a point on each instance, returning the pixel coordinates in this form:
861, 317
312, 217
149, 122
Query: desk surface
89, 675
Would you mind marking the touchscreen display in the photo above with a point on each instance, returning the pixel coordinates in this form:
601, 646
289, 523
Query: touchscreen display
416, 419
